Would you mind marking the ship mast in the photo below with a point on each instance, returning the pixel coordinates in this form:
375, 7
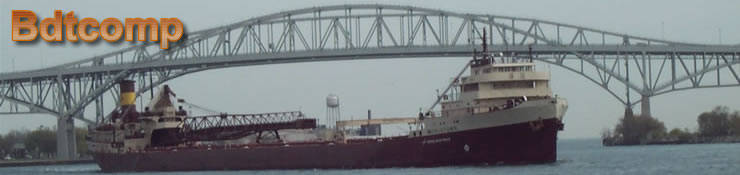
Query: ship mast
475, 62
452, 84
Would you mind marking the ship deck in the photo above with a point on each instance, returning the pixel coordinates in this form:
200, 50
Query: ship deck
263, 145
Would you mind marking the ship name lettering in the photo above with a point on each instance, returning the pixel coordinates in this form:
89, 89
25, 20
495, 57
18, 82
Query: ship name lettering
434, 141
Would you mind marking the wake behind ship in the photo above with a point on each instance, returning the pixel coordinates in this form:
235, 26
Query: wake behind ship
504, 112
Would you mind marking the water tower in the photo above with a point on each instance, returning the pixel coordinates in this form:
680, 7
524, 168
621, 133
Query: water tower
332, 110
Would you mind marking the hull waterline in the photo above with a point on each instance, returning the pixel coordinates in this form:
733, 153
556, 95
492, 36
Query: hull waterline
510, 144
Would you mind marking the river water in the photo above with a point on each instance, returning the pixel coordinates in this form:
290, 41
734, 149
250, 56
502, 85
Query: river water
575, 156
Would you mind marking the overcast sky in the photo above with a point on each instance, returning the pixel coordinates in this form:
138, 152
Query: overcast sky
391, 87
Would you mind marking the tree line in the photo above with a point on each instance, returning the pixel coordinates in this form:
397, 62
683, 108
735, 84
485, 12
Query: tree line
40, 143
638, 129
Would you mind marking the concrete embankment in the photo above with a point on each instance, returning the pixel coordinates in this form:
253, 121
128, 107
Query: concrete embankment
16, 163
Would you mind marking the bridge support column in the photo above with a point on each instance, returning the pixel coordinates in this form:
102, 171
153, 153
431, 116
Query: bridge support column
645, 103
66, 142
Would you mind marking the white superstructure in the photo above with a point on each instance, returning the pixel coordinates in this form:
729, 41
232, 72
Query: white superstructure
494, 94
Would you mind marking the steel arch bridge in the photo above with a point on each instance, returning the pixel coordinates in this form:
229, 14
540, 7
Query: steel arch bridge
618, 63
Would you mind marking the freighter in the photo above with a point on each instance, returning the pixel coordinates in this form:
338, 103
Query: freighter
503, 112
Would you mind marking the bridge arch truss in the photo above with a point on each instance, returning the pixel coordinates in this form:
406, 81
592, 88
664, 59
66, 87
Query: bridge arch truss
619, 63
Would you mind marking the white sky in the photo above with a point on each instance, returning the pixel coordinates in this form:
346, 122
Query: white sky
391, 87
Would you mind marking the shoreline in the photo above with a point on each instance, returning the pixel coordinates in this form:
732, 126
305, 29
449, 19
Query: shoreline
21, 163
674, 141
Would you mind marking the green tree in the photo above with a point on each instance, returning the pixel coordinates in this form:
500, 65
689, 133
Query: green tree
41, 143
675, 132
634, 129
735, 123
16, 136
13, 137
680, 134
3, 148
80, 134
715, 123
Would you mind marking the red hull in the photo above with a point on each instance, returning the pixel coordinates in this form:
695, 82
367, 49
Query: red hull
511, 144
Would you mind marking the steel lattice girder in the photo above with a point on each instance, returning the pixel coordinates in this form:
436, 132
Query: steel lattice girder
349, 32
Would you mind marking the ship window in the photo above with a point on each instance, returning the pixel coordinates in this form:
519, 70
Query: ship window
515, 84
487, 70
470, 87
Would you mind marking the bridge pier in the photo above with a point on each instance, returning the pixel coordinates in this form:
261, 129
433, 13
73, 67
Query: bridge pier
645, 104
66, 142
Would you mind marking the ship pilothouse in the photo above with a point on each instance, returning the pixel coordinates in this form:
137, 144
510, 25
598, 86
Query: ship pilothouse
496, 85
506, 88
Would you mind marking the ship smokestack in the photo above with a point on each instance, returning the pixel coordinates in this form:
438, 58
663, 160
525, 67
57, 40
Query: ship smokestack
128, 100
128, 96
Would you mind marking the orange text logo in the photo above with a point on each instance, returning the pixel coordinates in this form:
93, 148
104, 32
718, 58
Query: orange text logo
110, 29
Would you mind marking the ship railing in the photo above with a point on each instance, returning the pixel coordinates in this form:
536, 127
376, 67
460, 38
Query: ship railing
511, 103
437, 114
449, 97
433, 114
